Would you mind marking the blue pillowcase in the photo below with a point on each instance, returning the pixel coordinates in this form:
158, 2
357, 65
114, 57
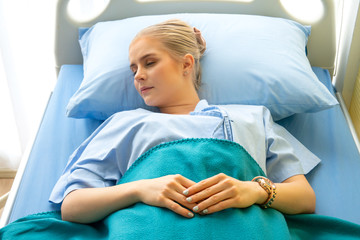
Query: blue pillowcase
249, 59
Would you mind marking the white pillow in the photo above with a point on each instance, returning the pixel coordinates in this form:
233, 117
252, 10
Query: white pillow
249, 59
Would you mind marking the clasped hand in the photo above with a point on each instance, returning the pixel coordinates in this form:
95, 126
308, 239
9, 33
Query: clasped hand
210, 195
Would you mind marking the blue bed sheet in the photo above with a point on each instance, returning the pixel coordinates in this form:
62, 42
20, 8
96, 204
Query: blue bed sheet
57, 138
325, 133
336, 179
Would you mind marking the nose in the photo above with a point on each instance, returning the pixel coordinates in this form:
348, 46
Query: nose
140, 75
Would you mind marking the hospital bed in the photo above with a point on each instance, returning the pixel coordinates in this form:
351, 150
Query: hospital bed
326, 133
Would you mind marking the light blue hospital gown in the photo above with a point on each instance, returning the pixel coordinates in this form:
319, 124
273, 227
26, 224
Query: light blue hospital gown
105, 156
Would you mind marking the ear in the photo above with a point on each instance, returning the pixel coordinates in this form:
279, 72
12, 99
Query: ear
188, 63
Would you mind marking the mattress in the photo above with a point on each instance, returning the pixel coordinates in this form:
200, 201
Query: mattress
325, 133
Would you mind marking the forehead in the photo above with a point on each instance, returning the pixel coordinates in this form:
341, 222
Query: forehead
143, 46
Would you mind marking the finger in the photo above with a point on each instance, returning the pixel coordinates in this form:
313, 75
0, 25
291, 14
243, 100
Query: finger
203, 184
177, 208
206, 193
182, 183
179, 198
228, 203
211, 201
174, 189
185, 182
179, 184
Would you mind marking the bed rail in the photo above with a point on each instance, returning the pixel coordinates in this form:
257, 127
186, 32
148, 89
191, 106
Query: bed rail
18, 178
348, 120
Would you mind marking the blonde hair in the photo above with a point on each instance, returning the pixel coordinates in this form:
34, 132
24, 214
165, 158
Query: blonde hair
180, 39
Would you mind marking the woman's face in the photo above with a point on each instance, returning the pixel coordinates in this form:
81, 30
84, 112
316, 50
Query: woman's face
158, 77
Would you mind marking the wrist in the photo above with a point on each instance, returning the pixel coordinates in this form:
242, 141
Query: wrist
269, 187
262, 195
129, 193
137, 192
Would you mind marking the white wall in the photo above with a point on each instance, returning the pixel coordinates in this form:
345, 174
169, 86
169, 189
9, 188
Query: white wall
27, 37
10, 151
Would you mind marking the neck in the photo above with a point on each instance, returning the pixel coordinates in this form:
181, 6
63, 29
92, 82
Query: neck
181, 108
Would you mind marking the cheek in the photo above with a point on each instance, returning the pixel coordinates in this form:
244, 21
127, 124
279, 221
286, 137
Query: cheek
166, 75
136, 85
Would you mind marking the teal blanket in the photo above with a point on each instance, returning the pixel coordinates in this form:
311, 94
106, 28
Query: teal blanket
195, 159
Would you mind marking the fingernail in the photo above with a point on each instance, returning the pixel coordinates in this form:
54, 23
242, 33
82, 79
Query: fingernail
205, 211
196, 208
189, 199
186, 192
190, 214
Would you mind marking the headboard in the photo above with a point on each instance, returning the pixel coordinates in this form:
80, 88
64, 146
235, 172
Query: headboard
321, 45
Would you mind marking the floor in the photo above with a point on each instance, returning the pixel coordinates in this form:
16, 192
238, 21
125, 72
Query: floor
5, 186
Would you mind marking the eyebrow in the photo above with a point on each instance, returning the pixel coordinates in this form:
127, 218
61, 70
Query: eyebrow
142, 58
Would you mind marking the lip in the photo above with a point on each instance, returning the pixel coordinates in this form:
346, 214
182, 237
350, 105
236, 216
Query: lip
145, 89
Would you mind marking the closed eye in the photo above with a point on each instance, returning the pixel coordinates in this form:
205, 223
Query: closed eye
146, 61
133, 71
148, 64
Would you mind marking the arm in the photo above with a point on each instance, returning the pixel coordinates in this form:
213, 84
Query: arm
214, 194
295, 195
93, 204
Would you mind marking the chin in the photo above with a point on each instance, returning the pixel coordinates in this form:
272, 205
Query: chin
150, 103
155, 102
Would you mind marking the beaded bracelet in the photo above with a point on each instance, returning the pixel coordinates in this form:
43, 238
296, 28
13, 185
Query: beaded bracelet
269, 187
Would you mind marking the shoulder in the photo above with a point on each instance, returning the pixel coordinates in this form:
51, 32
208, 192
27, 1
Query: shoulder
255, 110
243, 107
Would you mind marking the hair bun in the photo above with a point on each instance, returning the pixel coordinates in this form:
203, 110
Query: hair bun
200, 40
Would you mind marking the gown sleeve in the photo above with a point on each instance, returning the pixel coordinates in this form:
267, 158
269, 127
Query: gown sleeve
95, 163
286, 156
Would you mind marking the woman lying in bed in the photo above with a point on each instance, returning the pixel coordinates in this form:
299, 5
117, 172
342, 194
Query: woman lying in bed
165, 60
